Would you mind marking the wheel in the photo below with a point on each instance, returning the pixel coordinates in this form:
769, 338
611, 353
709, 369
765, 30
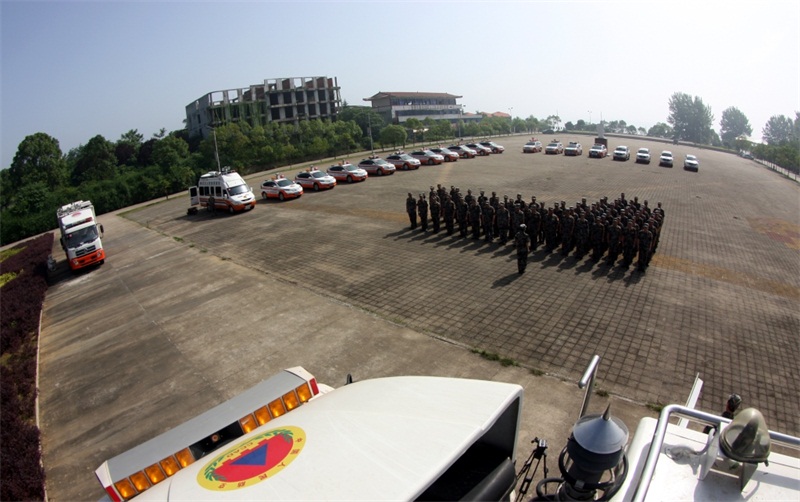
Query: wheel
230, 208
430, 162
281, 196
380, 172
264, 195
316, 187
405, 167
349, 179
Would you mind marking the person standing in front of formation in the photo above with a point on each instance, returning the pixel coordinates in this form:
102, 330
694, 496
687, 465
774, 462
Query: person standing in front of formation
523, 244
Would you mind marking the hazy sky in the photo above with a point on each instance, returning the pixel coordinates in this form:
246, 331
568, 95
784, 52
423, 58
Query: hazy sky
77, 69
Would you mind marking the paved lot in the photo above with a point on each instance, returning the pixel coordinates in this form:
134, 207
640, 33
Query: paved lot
203, 302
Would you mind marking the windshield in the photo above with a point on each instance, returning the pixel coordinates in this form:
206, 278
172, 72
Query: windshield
82, 236
351, 168
644, 150
238, 190
319, 174
553, 144
284, 183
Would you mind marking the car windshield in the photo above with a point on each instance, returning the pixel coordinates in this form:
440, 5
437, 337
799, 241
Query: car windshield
666, 154
598, 147
553, 144
284, 183
644, 150
621, 148
405, 156
319, 174
351, 167
238, 190
82, 236
690, 157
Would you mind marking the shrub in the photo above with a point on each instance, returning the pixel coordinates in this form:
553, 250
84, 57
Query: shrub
23, 296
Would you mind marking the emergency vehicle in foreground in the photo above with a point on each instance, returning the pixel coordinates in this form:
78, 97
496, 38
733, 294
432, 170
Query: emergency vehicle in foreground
223, 190
80, 234
434, 438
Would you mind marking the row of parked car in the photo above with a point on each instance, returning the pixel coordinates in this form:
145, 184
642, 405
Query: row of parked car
282, 188
599, 150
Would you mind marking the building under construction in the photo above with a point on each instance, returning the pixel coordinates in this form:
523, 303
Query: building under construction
282, 100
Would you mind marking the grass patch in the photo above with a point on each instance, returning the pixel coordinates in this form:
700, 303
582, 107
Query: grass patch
178, 239
536, 372
8, 253
7, 277
601, 392
657, 407
505, 361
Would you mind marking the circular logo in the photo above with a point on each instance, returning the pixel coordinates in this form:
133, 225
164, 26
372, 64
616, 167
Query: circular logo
254, 460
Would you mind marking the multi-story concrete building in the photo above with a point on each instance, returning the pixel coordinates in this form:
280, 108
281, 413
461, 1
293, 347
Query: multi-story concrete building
398, 107
283, 100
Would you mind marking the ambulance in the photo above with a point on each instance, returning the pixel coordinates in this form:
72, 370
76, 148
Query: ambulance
80, 234
223, 190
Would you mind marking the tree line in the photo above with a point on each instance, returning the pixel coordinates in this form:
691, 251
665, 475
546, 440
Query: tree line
132, 169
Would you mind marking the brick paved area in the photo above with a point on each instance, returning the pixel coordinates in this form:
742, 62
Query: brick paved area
720, 298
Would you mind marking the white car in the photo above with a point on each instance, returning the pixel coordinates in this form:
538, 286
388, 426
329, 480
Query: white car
376, 165
622, 153
665, 159
280, 188
690, 163
643, 156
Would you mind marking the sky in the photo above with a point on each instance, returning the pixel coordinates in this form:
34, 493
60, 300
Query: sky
76, 69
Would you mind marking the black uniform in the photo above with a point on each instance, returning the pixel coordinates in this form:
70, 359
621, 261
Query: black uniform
422, 209
435, 210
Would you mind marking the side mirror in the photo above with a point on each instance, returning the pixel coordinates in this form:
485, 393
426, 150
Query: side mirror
101, 230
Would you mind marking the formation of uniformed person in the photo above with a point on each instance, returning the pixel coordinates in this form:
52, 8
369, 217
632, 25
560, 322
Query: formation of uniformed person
411, 209
422, 209
601, 228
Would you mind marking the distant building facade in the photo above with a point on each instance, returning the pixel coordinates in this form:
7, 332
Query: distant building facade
282, 100
398, 107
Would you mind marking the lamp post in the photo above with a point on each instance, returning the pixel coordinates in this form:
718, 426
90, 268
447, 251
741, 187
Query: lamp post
369, 128
511, 117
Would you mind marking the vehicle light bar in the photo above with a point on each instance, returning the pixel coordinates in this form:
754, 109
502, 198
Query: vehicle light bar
134, 471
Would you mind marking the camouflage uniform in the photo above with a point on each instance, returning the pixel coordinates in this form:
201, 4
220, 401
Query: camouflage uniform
503, 219
487, 221
523, 245
435, 210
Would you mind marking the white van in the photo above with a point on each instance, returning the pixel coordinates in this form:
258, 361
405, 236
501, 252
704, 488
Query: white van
222, 190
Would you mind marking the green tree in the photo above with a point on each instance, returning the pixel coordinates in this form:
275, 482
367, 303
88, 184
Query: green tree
732, 125
660, 130
95, 161
631, 129
127, 147
38, 160
690, 118
394, 135
778, 130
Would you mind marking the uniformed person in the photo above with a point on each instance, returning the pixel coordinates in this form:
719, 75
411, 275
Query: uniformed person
411, 209
503, 219
435, 208
487, 221
449, 211
523, 245
422, 209
645, 242
475, 219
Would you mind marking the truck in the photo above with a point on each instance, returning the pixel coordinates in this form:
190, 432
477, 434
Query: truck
438, 438
223, 190
80, 234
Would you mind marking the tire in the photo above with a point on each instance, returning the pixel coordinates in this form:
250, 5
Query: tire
349, 179
264, 195
405, 167
281, 197
430, 162
230, 209
316, 187
380, 172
